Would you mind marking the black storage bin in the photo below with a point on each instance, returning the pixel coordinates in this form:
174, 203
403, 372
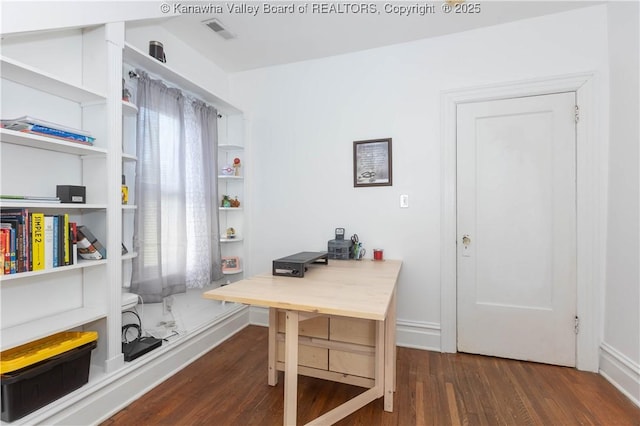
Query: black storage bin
30, 388
340, 249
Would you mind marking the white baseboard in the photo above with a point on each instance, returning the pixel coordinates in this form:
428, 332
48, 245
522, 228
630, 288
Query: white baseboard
621, 371
409, 334
259, 316
418, 335
96, 402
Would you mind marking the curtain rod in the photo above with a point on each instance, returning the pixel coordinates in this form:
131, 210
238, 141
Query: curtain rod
133, 74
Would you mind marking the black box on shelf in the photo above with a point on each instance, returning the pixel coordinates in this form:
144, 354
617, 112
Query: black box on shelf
71, 194
32, 387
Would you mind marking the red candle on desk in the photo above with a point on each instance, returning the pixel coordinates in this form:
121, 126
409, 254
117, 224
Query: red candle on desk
377, 254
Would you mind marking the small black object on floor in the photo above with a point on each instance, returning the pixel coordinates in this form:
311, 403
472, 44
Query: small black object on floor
139, 347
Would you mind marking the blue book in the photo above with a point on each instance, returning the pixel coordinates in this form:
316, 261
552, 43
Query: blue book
36, 128
56, 242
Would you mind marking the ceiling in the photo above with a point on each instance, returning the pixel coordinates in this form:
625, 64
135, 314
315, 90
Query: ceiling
267, 39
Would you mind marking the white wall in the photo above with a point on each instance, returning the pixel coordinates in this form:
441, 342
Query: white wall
620, 358
305, 116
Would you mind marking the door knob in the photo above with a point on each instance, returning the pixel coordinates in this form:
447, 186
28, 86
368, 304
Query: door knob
466, 240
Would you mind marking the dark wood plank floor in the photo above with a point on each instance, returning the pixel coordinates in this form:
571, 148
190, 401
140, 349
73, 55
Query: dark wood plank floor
228, 386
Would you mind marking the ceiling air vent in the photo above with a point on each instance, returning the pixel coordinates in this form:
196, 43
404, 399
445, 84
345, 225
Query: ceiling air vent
216, 26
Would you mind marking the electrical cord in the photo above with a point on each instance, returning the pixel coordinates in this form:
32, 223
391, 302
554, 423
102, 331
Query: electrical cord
127, 327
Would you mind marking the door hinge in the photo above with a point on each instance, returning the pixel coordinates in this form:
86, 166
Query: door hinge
576, 326
577, 113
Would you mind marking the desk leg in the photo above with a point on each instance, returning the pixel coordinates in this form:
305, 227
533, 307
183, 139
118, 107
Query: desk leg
291, 369
390, 355
272, 377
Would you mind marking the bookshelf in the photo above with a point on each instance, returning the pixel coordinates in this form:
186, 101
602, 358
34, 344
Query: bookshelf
48, 144
81, 88
129, 164
234, 186
39, 303
44, 81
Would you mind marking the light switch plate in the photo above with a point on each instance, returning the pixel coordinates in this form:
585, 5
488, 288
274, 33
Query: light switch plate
404, 201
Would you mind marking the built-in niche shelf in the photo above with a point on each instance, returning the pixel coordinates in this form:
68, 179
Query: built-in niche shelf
50, 144
80, 265
48, 325
129, 109
43, 81
137, 58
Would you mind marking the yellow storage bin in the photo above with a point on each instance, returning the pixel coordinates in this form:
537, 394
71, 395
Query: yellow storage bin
43, 349
38, 373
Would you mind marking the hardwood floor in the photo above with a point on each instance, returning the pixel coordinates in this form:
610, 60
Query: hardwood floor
228, 386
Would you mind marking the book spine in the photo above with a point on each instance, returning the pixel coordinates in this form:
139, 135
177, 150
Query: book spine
48, 242
3, 250
65, 236
20, 248
37, 240
27, 238
13, 219
7, 254
36, 128
60, 240
56, 241
74, 241
12, 242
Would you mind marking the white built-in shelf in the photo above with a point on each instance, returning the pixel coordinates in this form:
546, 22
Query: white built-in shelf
230, 208
45, 207
239, 271
226, 177
80, 265
130, 255
230, 240
129, 207
230, 147
129, 109
50, 144
43, 327
129, 157
40, 80
138, 58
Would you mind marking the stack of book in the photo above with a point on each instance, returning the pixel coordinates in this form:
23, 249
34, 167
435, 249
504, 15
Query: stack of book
37, 241
45, 128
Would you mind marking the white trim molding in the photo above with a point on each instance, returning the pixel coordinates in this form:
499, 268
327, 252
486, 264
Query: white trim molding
621, 371
418, 335
591, 203
259, 316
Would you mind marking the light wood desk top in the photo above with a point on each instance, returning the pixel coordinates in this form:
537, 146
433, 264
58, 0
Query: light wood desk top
358, 289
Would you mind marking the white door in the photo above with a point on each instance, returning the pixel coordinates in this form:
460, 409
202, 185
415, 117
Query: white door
516, 189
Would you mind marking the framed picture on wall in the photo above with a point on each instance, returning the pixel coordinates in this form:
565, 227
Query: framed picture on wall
230, 263
372, 163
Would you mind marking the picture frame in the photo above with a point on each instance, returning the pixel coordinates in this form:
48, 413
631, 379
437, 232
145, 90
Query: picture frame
230, 263
372, 163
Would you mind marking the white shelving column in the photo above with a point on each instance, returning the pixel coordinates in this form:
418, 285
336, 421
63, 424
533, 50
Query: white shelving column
115, 46
102, 65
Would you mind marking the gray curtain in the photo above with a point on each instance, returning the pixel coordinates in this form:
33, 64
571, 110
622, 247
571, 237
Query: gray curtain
176, 232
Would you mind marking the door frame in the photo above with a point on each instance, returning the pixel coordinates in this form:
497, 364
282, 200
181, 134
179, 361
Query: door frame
591, 155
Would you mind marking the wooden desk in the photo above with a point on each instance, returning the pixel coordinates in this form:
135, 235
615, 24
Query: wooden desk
358, 289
